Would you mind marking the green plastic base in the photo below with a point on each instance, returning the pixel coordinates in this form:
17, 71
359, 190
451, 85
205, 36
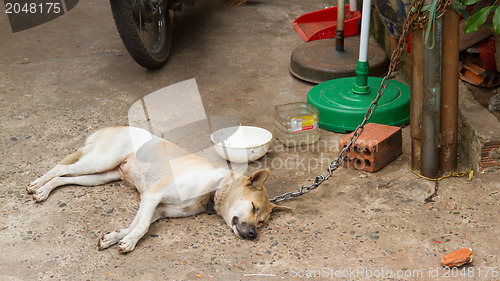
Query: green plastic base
341, 110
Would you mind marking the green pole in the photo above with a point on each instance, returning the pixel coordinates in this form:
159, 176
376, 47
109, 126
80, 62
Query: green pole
360, 87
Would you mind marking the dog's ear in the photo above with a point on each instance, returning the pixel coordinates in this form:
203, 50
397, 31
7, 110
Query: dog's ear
277, 208
258, 178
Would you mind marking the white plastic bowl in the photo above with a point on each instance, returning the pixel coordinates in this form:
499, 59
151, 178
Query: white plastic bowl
241, 144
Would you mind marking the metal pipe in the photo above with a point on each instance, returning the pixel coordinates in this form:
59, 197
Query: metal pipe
430, 105
417, 72
353, 5
365, 31
339, 36
449, 92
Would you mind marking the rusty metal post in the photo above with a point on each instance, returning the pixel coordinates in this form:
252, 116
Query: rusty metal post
339, 37
431, 105
449, 92
417, 72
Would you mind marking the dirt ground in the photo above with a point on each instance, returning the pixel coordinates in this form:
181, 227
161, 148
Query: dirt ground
63, 80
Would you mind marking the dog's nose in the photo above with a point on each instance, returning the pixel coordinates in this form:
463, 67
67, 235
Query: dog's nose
252, 233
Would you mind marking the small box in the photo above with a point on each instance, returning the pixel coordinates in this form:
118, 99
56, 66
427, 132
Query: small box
376, 147
296, 124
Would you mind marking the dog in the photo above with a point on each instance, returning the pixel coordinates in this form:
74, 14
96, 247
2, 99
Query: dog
111, 154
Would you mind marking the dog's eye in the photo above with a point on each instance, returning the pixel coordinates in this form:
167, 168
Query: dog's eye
253, 208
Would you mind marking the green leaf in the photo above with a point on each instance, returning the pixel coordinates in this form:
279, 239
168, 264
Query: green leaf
496, 20
478, 19
470, 2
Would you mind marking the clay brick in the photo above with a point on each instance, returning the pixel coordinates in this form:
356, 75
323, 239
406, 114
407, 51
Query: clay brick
377, 146
490, 154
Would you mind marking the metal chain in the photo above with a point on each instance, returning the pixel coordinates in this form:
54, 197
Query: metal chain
423, 17
415, 18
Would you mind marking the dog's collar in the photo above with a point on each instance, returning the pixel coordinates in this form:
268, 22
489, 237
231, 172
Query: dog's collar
211, 202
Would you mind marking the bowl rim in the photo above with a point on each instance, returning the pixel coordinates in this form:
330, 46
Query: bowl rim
242, 147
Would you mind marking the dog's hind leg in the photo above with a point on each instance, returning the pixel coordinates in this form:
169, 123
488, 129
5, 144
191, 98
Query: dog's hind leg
70, 159
103, 151
91, 163
89, 180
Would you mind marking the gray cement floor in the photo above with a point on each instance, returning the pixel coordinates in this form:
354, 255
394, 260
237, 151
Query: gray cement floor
63, 80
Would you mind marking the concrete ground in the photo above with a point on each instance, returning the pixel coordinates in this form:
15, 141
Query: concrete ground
63, 80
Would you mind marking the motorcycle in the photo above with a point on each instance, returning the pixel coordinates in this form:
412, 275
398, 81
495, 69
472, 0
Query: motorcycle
146, 28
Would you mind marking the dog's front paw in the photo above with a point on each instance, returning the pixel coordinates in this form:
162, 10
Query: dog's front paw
103, 243
32, 187
109, 240
126, 246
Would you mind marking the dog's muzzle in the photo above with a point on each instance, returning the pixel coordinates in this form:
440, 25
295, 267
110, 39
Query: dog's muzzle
245, 230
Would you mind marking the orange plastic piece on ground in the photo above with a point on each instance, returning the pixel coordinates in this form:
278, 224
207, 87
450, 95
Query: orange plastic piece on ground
457, 258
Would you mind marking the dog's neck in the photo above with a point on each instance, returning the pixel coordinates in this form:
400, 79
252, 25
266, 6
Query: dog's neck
217, 195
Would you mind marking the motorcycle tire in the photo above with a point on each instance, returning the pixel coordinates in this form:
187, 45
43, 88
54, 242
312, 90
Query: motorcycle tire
145, 32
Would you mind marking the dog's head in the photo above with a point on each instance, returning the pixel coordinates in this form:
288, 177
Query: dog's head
244, 204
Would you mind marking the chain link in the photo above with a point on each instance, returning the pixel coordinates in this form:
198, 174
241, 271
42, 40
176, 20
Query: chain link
415, 18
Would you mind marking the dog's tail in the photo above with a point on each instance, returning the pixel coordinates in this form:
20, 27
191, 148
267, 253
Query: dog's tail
72, 158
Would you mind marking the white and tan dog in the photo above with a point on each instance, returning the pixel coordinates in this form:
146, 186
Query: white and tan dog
111, 154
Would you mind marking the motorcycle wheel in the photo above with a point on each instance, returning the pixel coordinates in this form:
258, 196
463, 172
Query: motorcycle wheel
145, 29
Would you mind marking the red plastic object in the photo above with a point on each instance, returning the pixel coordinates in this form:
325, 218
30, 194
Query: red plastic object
487, 52
322, 24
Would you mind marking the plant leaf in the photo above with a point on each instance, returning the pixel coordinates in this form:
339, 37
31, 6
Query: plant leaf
478, 19
496, 20
470, 2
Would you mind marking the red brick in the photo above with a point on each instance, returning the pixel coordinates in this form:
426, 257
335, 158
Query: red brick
490, 154
376, 147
